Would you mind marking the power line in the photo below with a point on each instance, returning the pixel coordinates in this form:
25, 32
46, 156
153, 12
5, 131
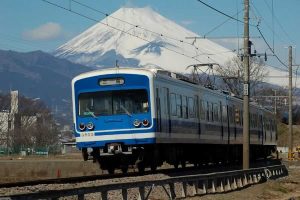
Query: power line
276, 19
270, 47
221, 12
221, 24
145, 29
134, 25
267, 25
115, 28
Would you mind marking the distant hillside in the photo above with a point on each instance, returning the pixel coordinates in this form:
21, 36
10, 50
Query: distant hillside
39, 75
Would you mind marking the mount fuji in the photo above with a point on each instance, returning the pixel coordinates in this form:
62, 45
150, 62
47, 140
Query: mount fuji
140, 37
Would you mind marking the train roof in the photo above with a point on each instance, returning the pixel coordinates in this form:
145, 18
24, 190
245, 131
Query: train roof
114, 71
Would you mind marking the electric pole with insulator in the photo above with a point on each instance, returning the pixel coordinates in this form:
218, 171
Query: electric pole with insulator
290, 106
247, 45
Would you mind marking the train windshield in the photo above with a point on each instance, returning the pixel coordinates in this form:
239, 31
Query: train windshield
113, 102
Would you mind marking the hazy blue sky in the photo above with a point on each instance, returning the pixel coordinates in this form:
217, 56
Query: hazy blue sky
28, 25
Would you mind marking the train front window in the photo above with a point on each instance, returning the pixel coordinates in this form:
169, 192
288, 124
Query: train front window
113, 103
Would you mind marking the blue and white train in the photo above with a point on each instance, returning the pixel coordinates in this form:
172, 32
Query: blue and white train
144, 117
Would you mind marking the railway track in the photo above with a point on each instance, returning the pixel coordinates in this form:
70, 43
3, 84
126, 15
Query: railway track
188, 170
175, 184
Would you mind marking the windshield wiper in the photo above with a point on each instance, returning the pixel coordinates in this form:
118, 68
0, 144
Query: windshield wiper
126, 111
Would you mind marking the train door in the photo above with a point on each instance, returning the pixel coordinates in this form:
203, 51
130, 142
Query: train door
165, 111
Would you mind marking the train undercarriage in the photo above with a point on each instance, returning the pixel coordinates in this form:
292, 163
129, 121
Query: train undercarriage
122, 157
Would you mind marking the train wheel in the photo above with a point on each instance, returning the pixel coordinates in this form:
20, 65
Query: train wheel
183, 164
124, 169
141, 167
196, 164
111, 170
153, 168
176, 164
85, 154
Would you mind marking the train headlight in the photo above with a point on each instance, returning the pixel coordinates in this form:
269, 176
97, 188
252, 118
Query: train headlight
81, 126
90, 126
136, 123
145, 122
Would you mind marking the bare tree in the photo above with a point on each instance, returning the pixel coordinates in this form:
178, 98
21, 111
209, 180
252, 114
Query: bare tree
33, 126
4, 119
232, 74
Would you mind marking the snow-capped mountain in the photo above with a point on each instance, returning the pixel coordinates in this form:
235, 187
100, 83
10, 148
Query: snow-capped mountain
140, 37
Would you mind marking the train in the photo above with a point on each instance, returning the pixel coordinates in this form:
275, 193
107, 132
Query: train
145, 117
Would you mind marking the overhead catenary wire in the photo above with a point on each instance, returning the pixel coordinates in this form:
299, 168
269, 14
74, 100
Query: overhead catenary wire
115, 28
211, 7
221, 24
267, 25
106, 24
266, 42
221, 12
144, 29
271, 9
134, 25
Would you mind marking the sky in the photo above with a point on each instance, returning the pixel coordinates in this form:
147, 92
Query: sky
29, 25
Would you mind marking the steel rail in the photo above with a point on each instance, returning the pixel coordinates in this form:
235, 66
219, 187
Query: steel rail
200, 184
167, 171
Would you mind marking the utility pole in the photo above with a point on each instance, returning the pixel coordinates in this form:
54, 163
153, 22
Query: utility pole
290, 105
246, 138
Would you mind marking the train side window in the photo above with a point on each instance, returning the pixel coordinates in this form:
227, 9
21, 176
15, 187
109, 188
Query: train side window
230, 115
207, 111
202, 110
271, 125
241, 118
173, 104
184, 107
237, 116
224, 114
179, 105
191, 107
216, 112
212, 112
196, 106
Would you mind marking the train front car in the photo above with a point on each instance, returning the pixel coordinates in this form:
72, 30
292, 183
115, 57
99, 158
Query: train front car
113, 116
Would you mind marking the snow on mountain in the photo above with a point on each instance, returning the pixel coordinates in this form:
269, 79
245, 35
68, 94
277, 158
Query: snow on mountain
140, 37
132, 44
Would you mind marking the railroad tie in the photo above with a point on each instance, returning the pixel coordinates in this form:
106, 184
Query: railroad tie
228, 185
172, 191
124, 194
